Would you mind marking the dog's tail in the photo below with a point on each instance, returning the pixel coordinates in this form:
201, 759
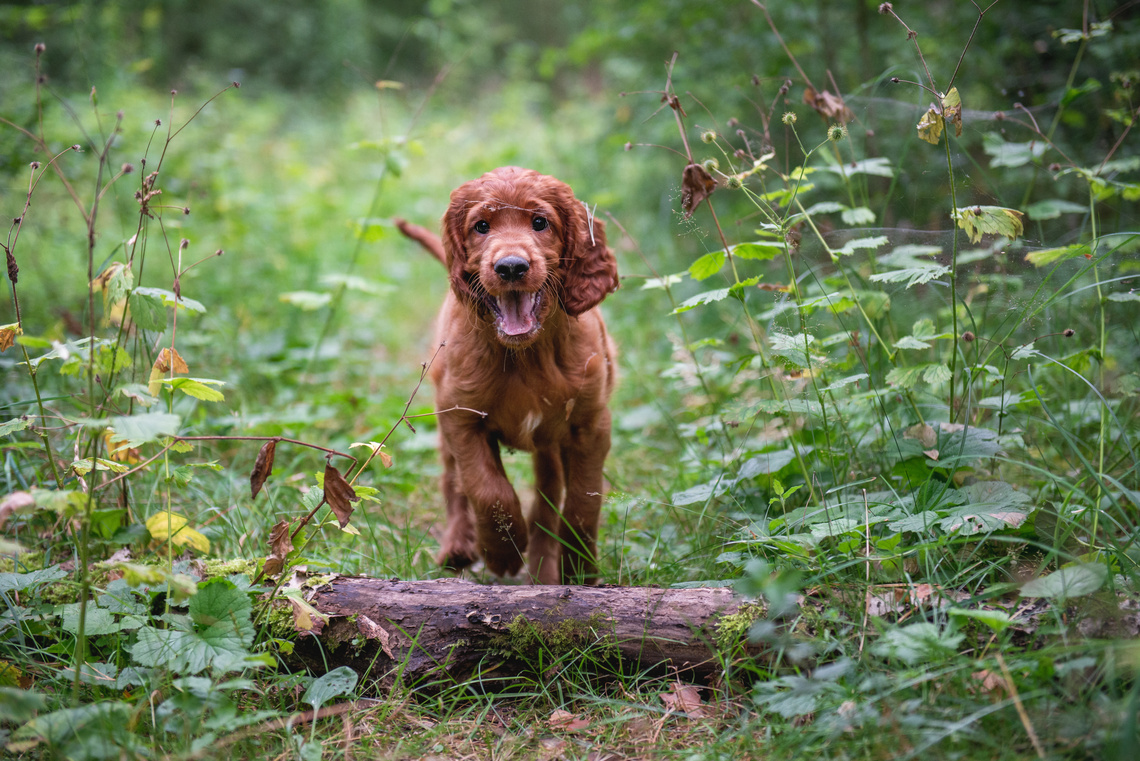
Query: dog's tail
426, 238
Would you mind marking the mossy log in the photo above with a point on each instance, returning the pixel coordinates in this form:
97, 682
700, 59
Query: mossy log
435, 633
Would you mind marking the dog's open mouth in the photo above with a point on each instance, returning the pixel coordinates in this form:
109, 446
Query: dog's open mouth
516, 313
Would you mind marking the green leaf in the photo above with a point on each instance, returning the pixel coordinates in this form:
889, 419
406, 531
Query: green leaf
758, 251
59, 727
911, 275
99, 620
1071, 581
20, 582
1123, 296
879, 166
306, 300
1090, 85
199, 388
937, 373
169, 299
148, 312
356, 283
910, 342
1045, 256
662, 282
339, 681
852, 246
1053, 208
220, 600
84, 466
1011, 154
858, 216
20, 705
989, 220
997, 620
905, 377
793, 348
706, 266
917, 643
790, 406
708, 297
145, 427
923, 521
701, 492
9, 427
766, 463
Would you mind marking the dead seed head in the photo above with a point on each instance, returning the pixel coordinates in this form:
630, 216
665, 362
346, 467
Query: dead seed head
894, 80
158, 122
836, 132
968, 337
886, 8
629, 146
708, 136
128, 168
184, 243
76, 148
784, 88
34, 165
733, 122
236, 85
173, 92
186, 210
1054, 167
1068, 332
219, 252
789, 118
756, 80
40, 48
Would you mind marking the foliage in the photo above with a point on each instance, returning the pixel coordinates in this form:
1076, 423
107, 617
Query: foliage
877, 329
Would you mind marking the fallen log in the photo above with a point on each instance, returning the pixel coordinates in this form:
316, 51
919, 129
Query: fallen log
429, 634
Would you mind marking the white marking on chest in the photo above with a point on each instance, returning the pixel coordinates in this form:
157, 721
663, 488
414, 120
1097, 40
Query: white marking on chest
531, 422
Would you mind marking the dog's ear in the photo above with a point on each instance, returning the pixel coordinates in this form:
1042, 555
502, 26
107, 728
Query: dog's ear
589, 267
454, 228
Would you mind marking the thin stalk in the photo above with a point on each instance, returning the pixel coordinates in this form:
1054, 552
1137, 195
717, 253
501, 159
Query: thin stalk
953, 273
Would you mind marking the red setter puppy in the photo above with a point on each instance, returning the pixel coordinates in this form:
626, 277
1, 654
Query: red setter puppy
526, 345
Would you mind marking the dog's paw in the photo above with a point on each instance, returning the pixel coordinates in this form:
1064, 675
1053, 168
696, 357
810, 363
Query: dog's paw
456, 558
503, 545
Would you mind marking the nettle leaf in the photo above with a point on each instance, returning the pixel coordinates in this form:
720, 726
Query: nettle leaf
1053, 208
852, 246
911, 275
1011, 154
1071, 581
906, 377
707, 266
9, 427
937, 373
148, 312
169, 299
971, 443
793, 348
917, 642
758, 251
98, 621
306, 300
1045, 256
220, 600
989, 220
708, 297
858, 216
846, 381
824, 207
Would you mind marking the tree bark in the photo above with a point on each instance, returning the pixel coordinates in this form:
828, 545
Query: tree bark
430, 634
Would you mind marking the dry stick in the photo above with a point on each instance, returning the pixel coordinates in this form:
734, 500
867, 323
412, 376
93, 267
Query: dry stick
866, 600
783, 45
1025, 722
977, 22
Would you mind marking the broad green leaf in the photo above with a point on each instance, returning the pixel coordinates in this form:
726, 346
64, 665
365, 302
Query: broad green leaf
971, 443
1045, 256
824, 207
766, 463
663, 282
220, 600
701, 492
996, 620
989, 220
758, 251
852, 246
9, 427
910, 342
708, 297
917, 643
937, 373
793, 348
20, 705
912, 275
916, 523
199, 388
1123, 296
879, 166
135, 430
339, 681
1011, 154
1053, 208
99, 620
1071, 581
846, 381
858, 216
169, 299
148, 312
790, 406
306, 300
1090, 85
59, 727
906, 377
706, 266
19, 582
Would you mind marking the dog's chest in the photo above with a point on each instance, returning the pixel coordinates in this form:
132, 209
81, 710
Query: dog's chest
528, 416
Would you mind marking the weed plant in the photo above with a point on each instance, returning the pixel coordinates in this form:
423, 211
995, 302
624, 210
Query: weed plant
884, 378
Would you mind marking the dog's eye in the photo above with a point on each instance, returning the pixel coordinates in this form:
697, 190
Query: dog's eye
539, 224
482, 227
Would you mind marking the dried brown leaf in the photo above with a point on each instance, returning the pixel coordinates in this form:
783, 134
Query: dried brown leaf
990, 682
566, 721
280, 539
263, 467
829, 106
685, 698
15, 502
339, 495
306, 618
924, 433
696, 185
8, 335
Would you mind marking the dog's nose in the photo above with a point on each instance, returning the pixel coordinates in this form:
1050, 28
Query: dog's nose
511, 268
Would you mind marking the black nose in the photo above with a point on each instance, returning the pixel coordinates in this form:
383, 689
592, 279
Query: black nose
511, 268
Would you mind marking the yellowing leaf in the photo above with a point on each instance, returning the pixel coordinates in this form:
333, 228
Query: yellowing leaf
85, 466
168, 359
952, 110
930, 126
8, 335
118, 449
989, 220
167, 525
377, 451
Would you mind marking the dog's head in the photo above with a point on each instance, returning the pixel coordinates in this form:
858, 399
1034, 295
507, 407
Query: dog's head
519, 245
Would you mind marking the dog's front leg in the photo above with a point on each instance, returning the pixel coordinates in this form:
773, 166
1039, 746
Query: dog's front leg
584, 459
500, 529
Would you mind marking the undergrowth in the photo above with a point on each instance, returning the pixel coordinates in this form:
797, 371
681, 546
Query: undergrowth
883, 378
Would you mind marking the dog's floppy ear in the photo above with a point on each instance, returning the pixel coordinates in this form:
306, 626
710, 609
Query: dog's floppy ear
589, 266
454, 226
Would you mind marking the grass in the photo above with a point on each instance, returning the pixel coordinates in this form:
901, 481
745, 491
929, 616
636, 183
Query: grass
916, 444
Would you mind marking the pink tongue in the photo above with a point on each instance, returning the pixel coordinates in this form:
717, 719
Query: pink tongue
517, 313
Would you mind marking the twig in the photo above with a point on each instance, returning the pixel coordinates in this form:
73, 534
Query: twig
1020, 708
